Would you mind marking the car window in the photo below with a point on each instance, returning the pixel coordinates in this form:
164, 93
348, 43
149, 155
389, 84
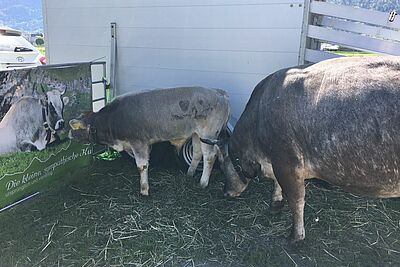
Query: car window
15, 43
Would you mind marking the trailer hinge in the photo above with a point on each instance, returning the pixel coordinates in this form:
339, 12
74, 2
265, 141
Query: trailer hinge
392, 16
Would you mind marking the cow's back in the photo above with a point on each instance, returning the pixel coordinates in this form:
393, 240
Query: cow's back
341, 117
166, 114
25, 112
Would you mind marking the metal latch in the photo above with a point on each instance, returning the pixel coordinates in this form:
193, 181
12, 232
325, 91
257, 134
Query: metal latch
392, 16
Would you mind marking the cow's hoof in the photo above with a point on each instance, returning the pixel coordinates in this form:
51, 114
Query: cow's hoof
295, 242
144, 191
203, 184
295, 238
190, 173
231, 194
277, 206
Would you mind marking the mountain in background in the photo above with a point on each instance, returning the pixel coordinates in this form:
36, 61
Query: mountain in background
26, 15
380, 5
23, 15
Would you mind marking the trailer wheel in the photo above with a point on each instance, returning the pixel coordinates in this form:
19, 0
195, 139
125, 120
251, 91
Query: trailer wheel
186, 156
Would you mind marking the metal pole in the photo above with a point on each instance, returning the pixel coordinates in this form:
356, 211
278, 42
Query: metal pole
113, 87
105, 84
304, 31
19, 201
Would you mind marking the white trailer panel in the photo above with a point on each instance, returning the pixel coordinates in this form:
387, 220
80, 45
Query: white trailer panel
229, 44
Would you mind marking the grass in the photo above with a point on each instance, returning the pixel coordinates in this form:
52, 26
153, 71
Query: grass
19, 161
98, 218
354, 53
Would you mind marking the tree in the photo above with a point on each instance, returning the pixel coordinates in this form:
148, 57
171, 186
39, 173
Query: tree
380, 5
39, 41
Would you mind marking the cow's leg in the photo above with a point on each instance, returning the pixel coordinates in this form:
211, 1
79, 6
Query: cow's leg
277, 198
209, 154
291, 179
142, 155
277, 202
27, 146
130, 154
196, 155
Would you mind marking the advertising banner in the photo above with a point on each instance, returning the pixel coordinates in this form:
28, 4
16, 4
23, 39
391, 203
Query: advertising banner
36, 105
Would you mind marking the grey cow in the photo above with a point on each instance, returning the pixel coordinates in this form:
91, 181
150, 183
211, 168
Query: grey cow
132, 122
337, 120
30, 122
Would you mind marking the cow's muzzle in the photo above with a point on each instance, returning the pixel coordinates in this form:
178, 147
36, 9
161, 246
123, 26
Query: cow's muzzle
59, 125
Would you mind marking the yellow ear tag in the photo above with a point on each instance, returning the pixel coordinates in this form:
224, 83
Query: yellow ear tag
75, 124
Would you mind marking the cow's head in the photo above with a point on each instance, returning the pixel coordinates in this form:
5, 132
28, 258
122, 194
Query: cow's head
82, 128
240, 163
55, 103
230, 159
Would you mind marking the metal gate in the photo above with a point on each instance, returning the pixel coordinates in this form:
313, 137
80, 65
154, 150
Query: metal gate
99, 84
355, 28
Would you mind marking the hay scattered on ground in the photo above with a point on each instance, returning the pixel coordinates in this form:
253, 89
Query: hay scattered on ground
99, 219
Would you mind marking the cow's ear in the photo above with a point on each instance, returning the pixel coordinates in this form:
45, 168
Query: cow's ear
76, 124
65, 100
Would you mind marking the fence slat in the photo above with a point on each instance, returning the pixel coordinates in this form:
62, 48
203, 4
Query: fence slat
317, 55
356, 14
358, 27
353, 40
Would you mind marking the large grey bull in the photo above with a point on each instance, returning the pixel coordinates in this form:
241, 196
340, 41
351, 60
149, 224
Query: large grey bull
30, 122
134, 121
338, 120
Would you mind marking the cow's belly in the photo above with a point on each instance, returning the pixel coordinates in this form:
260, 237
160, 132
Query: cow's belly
8, 141
178, 129
162, 133
368, 185
7, 147
122, 146
365, 172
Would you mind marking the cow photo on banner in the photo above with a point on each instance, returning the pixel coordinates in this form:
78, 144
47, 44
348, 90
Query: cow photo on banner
35, 105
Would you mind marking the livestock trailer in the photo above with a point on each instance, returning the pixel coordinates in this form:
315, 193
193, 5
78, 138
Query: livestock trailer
227, 44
